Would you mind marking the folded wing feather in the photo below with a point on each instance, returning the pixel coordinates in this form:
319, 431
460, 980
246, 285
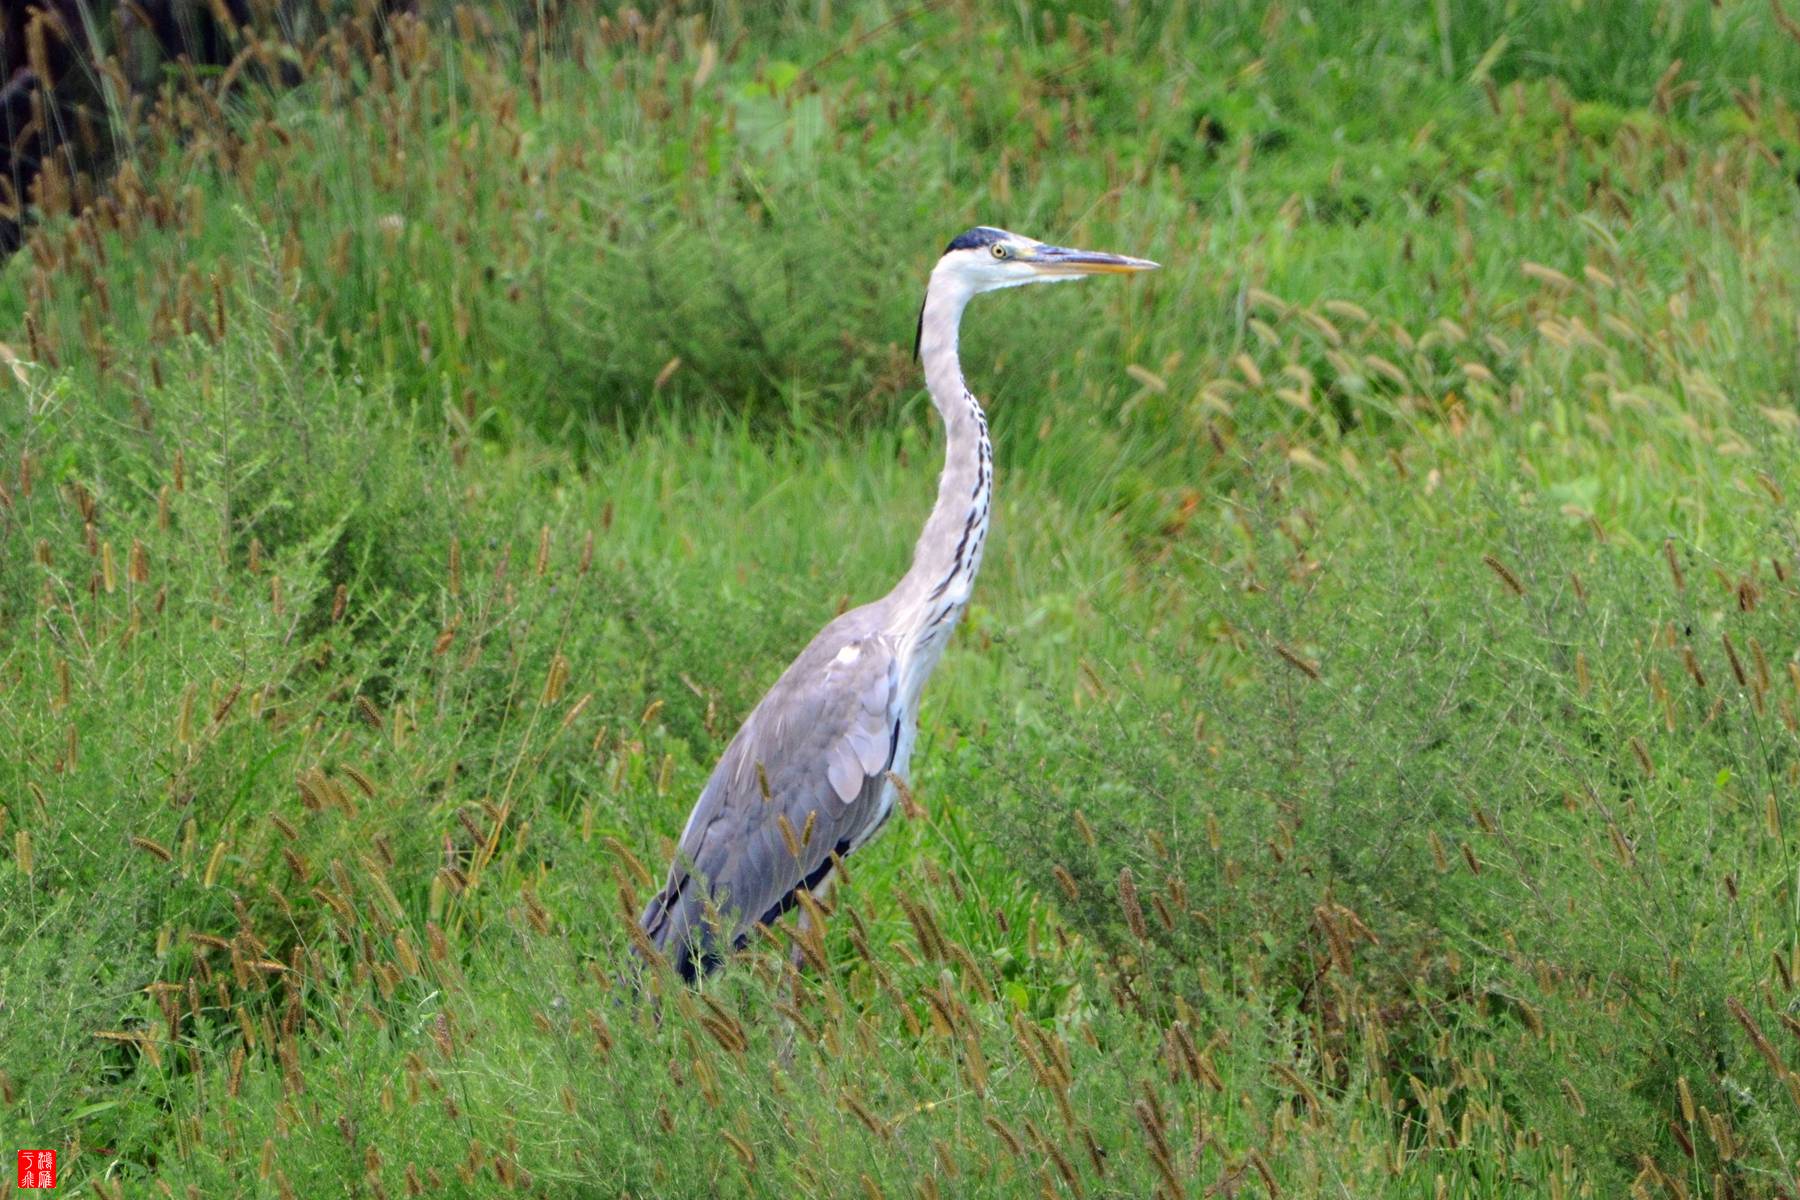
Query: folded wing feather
824, 737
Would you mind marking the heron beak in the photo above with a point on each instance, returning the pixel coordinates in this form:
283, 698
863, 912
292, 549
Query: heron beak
1060, 260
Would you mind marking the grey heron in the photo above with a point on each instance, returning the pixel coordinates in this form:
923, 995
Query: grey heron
819, 753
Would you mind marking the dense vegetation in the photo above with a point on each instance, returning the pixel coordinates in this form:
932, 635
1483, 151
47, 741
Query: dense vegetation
1370, 768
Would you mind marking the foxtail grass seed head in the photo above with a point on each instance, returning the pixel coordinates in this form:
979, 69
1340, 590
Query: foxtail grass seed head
1748, 594
184, 723
555, 678
1622, 847
1548, 276
1505, 574
1764, 678
1675, 572
363, 783
1758, 1038
214, 862
860, 1109
1163, 912
153, 848
975, 1063
741, 1148
1299, 662
1128, 903
1087, 831
909, 804
925, 932
1004, 1132
1737, 665
1692, 664
370, 714
1157, 1144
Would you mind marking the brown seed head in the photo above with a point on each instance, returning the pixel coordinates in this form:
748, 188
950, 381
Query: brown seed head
1692, 664
1505, 573
1300, 663
1737, 665
1128, 902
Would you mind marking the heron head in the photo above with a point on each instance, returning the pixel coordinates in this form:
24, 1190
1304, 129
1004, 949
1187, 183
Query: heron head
985, 259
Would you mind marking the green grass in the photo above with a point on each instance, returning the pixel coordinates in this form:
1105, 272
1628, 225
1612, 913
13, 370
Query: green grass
1369, 767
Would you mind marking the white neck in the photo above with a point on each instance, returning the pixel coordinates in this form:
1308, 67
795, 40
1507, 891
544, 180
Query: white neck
927, 602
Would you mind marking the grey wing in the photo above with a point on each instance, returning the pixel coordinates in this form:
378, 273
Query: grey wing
824, 738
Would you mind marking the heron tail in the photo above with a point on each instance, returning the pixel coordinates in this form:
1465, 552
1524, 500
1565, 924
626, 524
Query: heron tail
675, 923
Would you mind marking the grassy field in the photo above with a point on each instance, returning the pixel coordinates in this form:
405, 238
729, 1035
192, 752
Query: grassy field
1371, 766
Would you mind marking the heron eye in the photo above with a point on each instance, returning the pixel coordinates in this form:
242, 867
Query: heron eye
1000, 250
